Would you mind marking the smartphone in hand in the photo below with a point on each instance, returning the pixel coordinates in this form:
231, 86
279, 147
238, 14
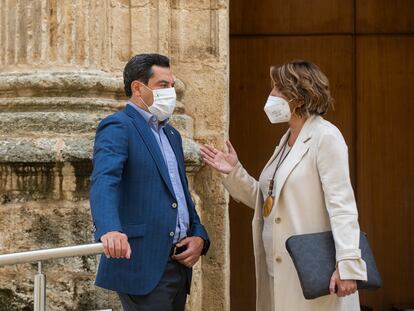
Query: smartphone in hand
179, 250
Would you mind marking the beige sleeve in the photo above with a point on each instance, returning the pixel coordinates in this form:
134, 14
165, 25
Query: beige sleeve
241, 186
332, 161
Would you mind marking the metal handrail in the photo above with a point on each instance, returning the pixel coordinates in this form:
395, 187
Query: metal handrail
46, 254
52, 253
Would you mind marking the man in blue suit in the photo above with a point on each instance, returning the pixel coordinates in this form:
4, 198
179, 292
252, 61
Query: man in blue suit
141, 206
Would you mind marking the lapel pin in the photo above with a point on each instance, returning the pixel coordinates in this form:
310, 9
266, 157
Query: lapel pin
172, 133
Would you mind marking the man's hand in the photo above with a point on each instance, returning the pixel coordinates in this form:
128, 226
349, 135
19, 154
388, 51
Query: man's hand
116, 245
191, 255
345, 287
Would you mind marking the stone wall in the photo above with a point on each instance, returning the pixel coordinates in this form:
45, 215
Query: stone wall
60, 73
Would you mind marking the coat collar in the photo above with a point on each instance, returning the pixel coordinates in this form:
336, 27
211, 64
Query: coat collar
148, 137
299, 149
304, 136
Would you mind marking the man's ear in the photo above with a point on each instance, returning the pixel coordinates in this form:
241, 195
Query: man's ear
136, 88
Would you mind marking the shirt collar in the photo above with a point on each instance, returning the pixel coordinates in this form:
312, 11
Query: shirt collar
149, 117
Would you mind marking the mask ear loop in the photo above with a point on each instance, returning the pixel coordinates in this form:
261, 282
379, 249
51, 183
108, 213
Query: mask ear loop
294, 109
142, 100
148, 88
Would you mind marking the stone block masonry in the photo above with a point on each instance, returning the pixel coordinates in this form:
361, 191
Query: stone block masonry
61, 64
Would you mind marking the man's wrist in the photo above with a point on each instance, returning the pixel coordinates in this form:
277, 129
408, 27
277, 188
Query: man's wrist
205, 245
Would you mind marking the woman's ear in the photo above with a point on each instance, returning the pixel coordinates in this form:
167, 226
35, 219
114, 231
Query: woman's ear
295, 105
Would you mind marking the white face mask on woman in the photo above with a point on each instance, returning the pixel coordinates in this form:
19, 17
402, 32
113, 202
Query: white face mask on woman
164, 103
277, 109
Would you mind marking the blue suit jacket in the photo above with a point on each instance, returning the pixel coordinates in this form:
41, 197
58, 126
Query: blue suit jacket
131, 192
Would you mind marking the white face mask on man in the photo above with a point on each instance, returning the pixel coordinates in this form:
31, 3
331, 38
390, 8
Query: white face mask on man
164, 103
277, 109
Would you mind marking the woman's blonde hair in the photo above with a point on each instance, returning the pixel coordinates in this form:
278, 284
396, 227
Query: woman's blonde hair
305, 83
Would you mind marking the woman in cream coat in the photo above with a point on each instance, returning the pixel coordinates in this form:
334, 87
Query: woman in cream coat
311, 192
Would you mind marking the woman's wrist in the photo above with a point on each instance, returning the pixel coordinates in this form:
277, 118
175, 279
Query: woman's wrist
231, 169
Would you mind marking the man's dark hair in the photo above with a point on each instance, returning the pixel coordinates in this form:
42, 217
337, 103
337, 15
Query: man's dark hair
139, 68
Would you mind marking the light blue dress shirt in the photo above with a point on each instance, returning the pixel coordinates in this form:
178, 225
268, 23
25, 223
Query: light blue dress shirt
157, 129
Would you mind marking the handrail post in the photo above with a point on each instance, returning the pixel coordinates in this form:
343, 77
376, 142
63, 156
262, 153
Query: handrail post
40, 290
47, 254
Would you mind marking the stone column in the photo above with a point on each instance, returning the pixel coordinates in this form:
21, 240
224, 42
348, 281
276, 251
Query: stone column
199, 46
61, 63
56, 83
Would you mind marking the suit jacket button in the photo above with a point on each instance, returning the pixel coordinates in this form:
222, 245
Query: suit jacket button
171, 234
278, 220
174, 205
278, 259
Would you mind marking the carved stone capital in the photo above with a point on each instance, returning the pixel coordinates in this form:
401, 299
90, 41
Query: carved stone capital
51, 115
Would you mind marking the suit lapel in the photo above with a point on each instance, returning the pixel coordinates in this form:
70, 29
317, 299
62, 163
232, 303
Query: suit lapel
176, 148
152, 145
299, 149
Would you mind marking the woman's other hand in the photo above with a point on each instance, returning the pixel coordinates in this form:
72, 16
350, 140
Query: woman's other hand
344, 287
223, 162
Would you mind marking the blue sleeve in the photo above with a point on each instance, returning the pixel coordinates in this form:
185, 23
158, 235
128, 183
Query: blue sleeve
110, 155
197, 229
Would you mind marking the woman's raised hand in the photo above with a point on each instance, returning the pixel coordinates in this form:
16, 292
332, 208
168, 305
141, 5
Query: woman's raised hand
223, 162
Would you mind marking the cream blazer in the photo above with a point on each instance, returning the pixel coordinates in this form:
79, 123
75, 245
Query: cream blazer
314, 194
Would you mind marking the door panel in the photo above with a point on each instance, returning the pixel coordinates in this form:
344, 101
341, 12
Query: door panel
385, 16
293, 16
385, 96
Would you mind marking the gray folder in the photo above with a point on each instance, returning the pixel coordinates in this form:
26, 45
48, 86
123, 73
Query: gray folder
314, 258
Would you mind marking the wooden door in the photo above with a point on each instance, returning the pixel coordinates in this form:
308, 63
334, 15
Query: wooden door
370, 74
385, 96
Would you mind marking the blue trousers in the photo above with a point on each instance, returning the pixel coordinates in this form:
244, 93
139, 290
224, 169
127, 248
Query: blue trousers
169, 295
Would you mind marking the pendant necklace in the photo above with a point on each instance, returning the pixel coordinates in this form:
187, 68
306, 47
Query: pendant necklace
268, 203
